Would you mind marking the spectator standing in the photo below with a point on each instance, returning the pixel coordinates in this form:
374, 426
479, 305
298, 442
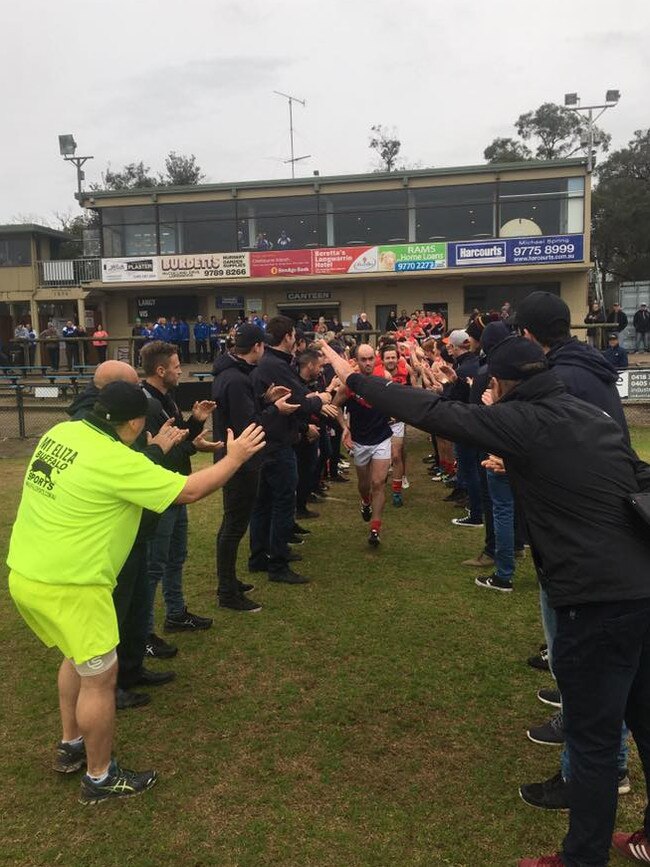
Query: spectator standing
641, 323
596, 315
100, 342
137, 333
175, 334
161, 330
201, 337
214, 338
51, 346
284, 241
615, 354
363, 325
168, 549
391, 322
31, 345
184, 334
236, 407
70, 334
618, 318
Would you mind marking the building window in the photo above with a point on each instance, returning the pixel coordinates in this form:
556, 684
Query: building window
198, 227
491, 297
285, 223
130, 231
15, 252
549, 206
377, 217
454, 213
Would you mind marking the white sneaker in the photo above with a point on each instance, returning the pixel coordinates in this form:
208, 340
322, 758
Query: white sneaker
344, 465
405, 483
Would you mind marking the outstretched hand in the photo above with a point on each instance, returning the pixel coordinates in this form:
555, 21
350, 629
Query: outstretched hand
342, 368
202, 444
249, 441
202, 409
167, 437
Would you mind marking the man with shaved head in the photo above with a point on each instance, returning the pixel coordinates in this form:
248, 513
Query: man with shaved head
131, 594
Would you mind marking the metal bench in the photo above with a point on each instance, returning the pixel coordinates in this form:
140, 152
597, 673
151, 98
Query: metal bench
25, 369
84, 368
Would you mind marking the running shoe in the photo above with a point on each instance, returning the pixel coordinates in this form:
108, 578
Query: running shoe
120, 783
493, 582
366, 511
69, 758
634, 847
550, 733
186, 622
550, 696
373, 538
405, 483
397, 500
158, 648
466, 522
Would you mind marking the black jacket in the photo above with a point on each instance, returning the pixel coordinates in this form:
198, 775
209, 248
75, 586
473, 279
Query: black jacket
237, 404
641, 321
570, 469
275, 368
618, 319
162, 407
467, 366
588, 375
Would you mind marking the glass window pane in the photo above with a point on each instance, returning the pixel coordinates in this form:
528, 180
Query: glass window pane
461, 194
289, 233
277, 207
459, 223
548, 215
197, 211
533, 187
209, 236
131, 214
15, 252
371, 227
140, 240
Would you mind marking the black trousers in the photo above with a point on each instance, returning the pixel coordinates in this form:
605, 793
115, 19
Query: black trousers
307, 459
601, 658
131, 600
201, 350
239, 495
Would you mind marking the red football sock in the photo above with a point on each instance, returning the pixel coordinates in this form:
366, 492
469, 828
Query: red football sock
375, 525
397, 486
365, 501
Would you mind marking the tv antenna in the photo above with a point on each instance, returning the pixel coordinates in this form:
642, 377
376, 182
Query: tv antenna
293, 159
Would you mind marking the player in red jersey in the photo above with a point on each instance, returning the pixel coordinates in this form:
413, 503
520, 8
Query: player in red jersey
392, 365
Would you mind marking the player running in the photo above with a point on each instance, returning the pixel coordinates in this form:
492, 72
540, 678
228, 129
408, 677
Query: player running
391, 365
367, 434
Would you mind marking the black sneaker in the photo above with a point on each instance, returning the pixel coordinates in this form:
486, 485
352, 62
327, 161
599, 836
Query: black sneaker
120, 783
240, 603
366, 511
296, 540
186, 622
466, 522
493, 582
338, 479
288, 576
306, 514
429, 459
147, 677
245, 588
550, 696
158, 648
373, 538
457, 495
300, 531
125, 699
293, 557
550, 733
69, 758
553, 794
540, 660
258, 565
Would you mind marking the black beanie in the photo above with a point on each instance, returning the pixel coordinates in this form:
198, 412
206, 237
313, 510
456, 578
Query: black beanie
121, 401
510, 358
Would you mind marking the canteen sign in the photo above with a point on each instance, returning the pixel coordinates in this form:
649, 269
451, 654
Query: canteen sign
538, 250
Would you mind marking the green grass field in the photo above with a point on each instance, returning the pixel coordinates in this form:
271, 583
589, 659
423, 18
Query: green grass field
376, 716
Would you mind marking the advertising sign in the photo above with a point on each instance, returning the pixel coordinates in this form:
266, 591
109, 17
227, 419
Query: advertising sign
345, 260
130, 270
309, 296
230, 302
639, 384
412, 257
539, 250
220, 266
281, 263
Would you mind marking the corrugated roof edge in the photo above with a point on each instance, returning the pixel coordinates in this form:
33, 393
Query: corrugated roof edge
32, 229
341, 179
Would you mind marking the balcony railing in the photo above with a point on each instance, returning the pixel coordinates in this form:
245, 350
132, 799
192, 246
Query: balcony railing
69, 272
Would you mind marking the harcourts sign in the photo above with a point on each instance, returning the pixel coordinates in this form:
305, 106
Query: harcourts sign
536, 250
478, 253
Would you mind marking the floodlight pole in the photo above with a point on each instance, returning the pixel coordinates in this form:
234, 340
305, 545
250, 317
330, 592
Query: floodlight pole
291, 99
588, 110
78, 163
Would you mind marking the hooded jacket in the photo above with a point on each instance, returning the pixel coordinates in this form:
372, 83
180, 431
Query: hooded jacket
587, 374
571, 470
237, 404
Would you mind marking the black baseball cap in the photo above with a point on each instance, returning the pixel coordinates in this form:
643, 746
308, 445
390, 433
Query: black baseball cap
248, 335
493, 334
511, 358
121, 401
539, 310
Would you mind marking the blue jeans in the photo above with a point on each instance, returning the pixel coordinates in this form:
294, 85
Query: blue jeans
468, 471
549, 622
641, 339
273, 515
503, 516
167, 554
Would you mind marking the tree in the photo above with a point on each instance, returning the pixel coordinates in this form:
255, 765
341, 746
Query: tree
506, 150
75, 226
387, 146
554, 132
621, 211
181, 171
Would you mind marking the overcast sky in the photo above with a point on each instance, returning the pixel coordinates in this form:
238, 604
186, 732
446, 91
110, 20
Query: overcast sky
134, 79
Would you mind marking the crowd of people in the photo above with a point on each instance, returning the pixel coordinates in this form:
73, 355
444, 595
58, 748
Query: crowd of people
528, 440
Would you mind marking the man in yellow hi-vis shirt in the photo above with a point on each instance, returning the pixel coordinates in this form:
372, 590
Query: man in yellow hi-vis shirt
83, 495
